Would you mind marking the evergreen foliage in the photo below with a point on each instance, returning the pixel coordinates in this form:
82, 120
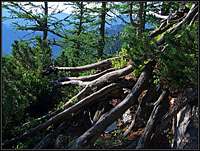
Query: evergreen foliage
28, 94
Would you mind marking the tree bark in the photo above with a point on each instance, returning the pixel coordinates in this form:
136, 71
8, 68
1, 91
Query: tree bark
85, 78
45, 32
178, 26
100, 82
159, 110
141, 17
102, 29
99, 65
148, 97
185, 130
131, 13
183, 101
59, 117
92, 134
49, 138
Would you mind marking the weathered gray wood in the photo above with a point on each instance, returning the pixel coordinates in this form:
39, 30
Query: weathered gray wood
189, 98
59, 117
85, 78
110, 77
186, 20
92, 134
153, 121
163, 27
100, 82
185, 131
186, 98
105, 64
157, 15
195, 18
166, 24
71, 82
112, 89
49, 138
151, 94
99, 112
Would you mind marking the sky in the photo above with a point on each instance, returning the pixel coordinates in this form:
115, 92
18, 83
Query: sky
66, 9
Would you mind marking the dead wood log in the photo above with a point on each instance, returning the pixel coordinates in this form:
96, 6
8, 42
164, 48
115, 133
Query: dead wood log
112, 89
110, 77
98, 113
92, 134
185, 130
160, 30
71, 82
185, 122
49, 138
191, 98
166, 24
65, 114
102, 64
99, 83
195, 18
148, 97
186, 20
158, 111
157, 15
85, 78
164, 120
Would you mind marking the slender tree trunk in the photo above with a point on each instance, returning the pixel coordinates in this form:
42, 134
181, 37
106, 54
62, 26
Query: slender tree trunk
47, 50
102, 29
80, 26
78, 33
45, 32
81, 18
131, 12
141, 17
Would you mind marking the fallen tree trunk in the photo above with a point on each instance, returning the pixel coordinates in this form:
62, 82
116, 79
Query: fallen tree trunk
85, 78
164, 120
185, 130
187, 19
157, 15
66, 113
195, 18
92, 134
112, 89
71, 82
49, 138
151, 94
110, 77
99, 65
160, 30
178, 26
159, 110
99, 83
184, 100
166, 24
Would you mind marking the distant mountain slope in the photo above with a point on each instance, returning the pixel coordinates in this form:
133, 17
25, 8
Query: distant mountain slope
9, 34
